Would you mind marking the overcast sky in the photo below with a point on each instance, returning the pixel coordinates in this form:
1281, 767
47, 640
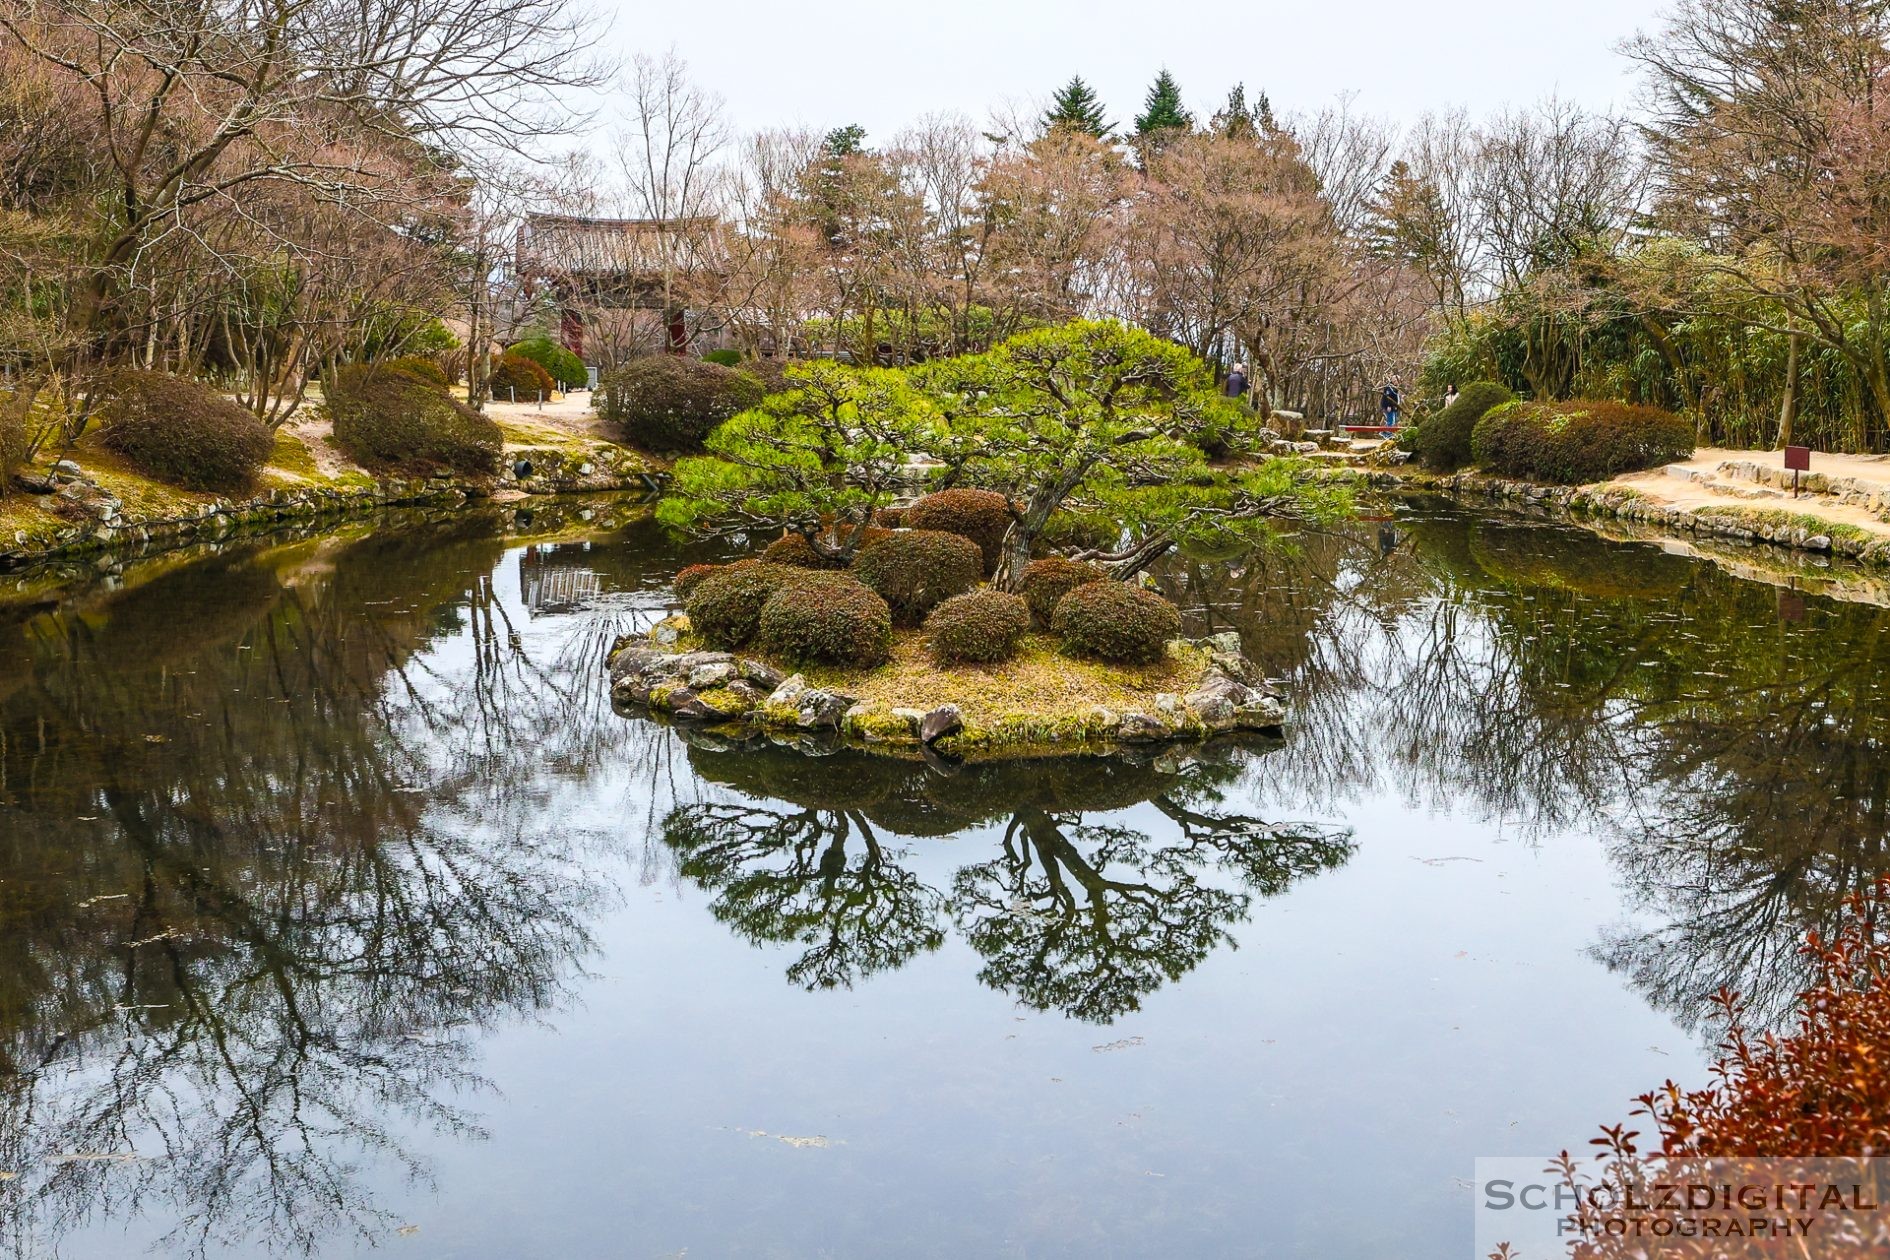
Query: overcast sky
884, 64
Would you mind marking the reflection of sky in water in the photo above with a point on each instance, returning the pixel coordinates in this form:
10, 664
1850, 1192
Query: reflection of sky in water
1510, 741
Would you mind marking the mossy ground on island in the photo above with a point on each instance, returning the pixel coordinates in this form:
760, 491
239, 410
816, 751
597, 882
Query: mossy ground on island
1039, 700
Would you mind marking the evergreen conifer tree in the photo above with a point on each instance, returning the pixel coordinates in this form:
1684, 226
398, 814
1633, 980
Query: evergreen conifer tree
1076, 107
1163, 110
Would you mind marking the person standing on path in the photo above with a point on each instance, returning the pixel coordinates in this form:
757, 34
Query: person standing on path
1237, 381
1390, 402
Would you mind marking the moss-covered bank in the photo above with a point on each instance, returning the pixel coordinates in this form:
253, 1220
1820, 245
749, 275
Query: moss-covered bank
91, 504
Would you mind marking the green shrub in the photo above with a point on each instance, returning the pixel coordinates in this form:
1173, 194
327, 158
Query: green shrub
1113, 621
1572, 443
179, 431
978, 627
834, 621
1048, 580
725, 606
668, 402
428, 370
1443, 441
725, 358
687, 578
565, 369
983, 516
391, 419
916, 570
516, 378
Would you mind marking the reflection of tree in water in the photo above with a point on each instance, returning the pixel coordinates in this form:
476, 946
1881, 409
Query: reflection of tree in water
1735, 761
268, 871
1085, 917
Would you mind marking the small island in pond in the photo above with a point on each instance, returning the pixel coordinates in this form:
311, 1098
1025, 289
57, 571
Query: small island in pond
1038, 699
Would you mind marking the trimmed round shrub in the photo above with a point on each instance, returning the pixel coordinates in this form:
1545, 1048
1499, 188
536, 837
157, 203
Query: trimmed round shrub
1572, 443
724, 607
983, 516
687, 578
669, 402
1113, 621
391, 419
978, 627
565, 369
793, 549
516, 378
832, 622
725, 358
890, 517
179, 431
428, 370
916, 570
1443, 441
1048, 580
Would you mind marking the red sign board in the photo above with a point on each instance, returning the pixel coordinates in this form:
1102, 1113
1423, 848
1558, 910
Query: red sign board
1798, 458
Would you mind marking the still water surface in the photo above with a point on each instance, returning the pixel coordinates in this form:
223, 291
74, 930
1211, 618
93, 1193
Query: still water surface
338, 909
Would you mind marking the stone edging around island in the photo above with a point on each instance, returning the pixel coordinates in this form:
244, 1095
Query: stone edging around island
111, 532
1627, 504
723, 689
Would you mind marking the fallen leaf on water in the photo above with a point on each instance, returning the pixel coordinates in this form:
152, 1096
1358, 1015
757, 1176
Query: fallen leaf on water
407, 1231
156, 739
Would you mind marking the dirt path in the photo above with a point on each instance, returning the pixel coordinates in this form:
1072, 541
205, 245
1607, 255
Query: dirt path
1849, 490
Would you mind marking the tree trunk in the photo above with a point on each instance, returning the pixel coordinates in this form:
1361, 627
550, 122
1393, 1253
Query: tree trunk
1788, 406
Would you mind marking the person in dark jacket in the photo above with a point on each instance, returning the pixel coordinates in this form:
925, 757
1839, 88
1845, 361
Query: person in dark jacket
1390, 402
1237, 381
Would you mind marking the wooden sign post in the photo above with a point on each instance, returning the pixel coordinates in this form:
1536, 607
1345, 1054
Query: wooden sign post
1798, 459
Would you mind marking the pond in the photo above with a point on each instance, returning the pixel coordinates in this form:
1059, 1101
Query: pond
338, 909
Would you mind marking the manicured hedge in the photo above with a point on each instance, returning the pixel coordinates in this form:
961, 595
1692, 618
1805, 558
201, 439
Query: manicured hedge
978, 627
1048, 580
1443, 441
391, 419
564, 368
179, 431
687, 578
795, 550
834, 621
669, 402
980, 515
1572, 443
428, 370
516, 378
1113, 621
725, 607
916, 570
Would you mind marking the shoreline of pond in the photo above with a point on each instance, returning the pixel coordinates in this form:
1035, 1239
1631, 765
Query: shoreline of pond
1802, 530
124, 538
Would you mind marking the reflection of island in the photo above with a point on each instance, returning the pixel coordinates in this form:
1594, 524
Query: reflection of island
1077, 910
266, 878
1736, 757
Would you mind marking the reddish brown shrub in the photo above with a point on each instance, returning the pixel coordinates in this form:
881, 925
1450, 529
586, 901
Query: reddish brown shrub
1047, 581
980, 515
